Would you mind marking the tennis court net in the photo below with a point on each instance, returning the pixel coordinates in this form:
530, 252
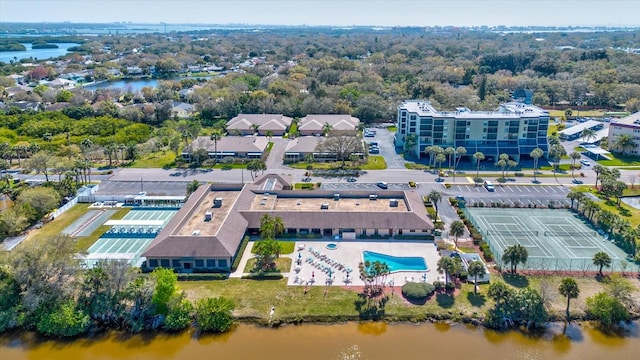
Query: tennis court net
513, 232
588, 234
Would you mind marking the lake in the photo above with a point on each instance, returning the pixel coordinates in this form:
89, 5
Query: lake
135, 85
40, 54
342, 341
132, 86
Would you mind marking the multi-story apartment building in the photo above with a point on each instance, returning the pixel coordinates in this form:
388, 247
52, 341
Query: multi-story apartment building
515, 129
629, 125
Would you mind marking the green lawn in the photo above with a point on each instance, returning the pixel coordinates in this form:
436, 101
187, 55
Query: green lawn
84, 243
392, 128
155, 160
553, 128
254, 298
60, 223
576, 113
282, 265
375, 162
627, 212
621, 161
286, 247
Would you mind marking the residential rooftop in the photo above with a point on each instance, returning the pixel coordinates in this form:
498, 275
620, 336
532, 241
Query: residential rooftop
196, 223
506, 111
348, 202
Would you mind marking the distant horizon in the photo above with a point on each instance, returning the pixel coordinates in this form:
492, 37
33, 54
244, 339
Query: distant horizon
319, 25
333, 13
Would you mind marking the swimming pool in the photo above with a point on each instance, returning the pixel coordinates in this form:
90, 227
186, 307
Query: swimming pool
397, 263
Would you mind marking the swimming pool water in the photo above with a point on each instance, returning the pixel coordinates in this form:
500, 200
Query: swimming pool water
396, 263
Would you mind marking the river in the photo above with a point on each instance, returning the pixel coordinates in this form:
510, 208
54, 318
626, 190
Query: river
40, 54
341, 341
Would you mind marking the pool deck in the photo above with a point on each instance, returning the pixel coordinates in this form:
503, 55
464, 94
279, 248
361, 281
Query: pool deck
349, 254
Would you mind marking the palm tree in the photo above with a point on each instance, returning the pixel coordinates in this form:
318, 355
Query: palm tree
456, 229
326, 129
86, 144
588, 134
269, 134
447, 265
514, 255
478, 156
192, 186
574, 156
573, 195
556, 152
569, 288
475, 269
599, 170
601, 259
536, 154
409, 142
449, 152
623, 143
215, 136
430, 150
440, 158
460, 152
435, 197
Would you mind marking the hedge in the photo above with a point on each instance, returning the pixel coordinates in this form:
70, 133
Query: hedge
263, 276
236, 261
201, 277
417, 291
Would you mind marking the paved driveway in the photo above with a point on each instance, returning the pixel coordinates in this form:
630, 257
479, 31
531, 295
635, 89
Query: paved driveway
384, 138
511, 191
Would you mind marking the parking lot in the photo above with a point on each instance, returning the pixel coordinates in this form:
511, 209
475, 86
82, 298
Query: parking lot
524, 202
158, 188
362, 186
513, 190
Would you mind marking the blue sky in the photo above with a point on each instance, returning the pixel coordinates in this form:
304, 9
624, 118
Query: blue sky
330, 12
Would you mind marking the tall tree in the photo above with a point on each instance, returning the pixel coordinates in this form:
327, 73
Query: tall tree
340, 145
536, 154
601, 259
456, 229
478, 157
460, 152
514, 255
569, 289
475, 269
623, 143
575, 156
435, 198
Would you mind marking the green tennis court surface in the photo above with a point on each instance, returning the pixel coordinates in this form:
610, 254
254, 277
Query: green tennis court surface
127, 243
556, 239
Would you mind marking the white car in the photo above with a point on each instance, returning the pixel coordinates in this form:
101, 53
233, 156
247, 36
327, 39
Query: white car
585, 162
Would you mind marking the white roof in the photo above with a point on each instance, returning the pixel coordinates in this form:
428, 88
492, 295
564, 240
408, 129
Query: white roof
576, 129
134, 222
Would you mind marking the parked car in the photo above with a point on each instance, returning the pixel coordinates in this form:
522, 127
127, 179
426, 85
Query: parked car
585, 162
382, 185
489, 186
374, 150
351, 179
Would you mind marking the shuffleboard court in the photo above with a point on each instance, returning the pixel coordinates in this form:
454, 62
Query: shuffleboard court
88, 223
129, 237
555, 239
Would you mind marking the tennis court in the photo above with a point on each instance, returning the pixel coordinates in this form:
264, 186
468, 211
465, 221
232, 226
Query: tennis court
128, 242
556, 239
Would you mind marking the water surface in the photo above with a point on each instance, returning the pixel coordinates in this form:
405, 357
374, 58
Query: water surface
309, 342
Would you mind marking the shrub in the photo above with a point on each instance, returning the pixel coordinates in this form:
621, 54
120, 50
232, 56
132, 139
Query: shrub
438, 285
417, 291
263, 276
463, 275
448, 186
449, 286
453, 201
518, 174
